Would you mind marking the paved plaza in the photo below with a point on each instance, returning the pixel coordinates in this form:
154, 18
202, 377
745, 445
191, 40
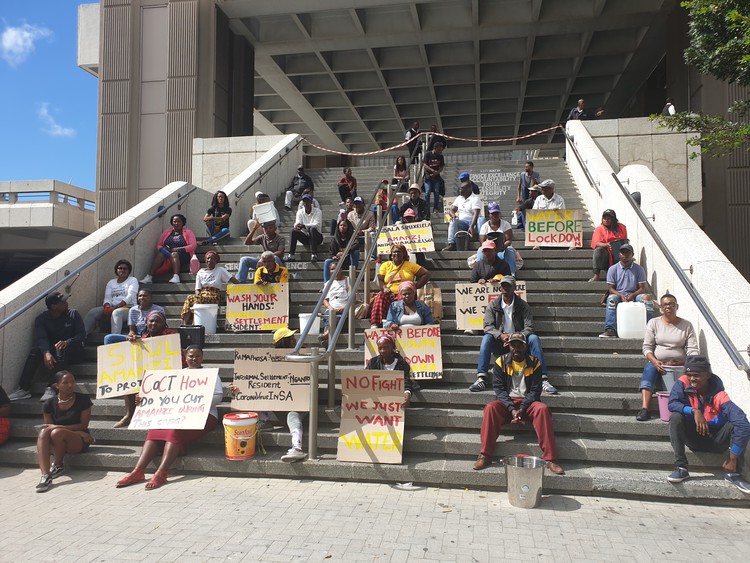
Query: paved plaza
83, 517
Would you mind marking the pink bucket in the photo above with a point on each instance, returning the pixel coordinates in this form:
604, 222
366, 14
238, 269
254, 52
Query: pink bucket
664, 413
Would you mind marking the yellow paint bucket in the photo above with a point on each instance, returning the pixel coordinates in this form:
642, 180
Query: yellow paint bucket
240, 431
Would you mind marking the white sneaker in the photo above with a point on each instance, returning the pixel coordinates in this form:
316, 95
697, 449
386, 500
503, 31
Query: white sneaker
19, 395
293, 455
175, 279
49, 393
147, 279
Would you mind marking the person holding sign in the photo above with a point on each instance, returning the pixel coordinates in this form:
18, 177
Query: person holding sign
217, 218
119, 294
408, 311
174, 249
209, 283
174, 441
504, 316
606, 242
389, 358
419, 207
347, 185
465, 215
398, 269
65, 429
517, 381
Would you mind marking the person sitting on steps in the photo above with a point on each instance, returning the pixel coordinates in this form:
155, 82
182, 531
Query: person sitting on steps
626, 282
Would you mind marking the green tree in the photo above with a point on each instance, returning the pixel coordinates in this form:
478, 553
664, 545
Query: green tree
719, 33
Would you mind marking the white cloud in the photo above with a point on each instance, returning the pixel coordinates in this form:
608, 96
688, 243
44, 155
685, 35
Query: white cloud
18, 42
53, 128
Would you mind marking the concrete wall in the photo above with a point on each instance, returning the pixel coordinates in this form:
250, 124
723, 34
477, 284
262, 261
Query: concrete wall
721, 285
88, 37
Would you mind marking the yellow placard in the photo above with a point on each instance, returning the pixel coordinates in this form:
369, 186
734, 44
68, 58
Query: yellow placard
416, 237
562, 227
472, 299
253, 307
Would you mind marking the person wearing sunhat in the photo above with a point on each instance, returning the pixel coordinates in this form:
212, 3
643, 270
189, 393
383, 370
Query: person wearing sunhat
390, 359
517, 381
606, 242
59, 336
626, 281
704, 418
416, 204
209, 283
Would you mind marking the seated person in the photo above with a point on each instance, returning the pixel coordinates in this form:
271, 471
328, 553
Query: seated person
253, 225
367, 217
336, 298
400, 173
347, 185
487, 269
174, 249
343, 213
465, 215
390, 275
270, 241
174, 442
416, 204
520, 211
217, 218
705, 419
502, 317
209, 283
344, 233
608, 236
408, 311
65, 429
549, 199
311, 193
4, 416
297, 186
626, 282
418, 257
466, 177
669, 340
390, 359
136, 318
500, 232
59, 337
119, 295
308, 229
269, 271
517, 381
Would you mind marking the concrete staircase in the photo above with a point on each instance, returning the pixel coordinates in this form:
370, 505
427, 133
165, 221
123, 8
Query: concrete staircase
603, 449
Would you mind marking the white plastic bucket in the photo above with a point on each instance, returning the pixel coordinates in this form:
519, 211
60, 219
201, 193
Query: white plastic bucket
264, 212
631, 320
206, 315
314, 329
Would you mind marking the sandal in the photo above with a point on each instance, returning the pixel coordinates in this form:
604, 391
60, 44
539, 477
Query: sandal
159, 478
135, 476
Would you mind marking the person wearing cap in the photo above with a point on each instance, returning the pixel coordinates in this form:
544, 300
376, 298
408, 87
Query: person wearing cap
517, 382
668, 341
270, 241
500, 232
520, 211
269, 271
308, 229
486, 270
606, 242
416, 204
704, 418
626, 281
174, 248
217, 218
59, 336
502, 317
466, 177
390, 275
253, 224
465, 215
390, 359
526, 179
549, 199
433, 164
408, 311
209, 283
401, 173
347, 185
311, 193
297, 185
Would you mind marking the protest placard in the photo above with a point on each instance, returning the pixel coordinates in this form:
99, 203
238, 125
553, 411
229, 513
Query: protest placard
268, 382
372, 419
416, 237
447, 204
420, 346
175, 399
119, 366
253, 307
473, 298
548, 227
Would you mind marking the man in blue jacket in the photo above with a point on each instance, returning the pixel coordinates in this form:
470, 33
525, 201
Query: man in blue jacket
705, 419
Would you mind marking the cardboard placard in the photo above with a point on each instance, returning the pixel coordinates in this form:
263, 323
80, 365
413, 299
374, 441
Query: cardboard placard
119, 366
447, 204
372, 419
268, 382
416, 237
472, 299
253, 307
175, 399
420, 346
562, 227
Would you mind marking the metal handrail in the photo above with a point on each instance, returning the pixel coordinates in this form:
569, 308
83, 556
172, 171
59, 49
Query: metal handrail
718, 330
585, 168
239, 193
162, 210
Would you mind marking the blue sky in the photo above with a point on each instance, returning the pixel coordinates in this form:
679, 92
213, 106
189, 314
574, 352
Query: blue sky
47, 104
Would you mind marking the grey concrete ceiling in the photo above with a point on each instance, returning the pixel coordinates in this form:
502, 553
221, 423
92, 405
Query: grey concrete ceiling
352, 75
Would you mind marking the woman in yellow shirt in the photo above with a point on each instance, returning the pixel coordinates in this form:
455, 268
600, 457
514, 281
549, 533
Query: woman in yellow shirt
392, 273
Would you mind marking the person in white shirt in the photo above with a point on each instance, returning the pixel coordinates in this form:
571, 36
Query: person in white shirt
465, 215
336, 299
120, 294
500, 232
549, 199
209, 283
308, 229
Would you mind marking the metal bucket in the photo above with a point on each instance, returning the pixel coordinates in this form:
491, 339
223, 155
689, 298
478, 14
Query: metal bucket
525, 476
462, 240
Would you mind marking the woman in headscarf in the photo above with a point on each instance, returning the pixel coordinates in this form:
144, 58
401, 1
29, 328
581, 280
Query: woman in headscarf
209, 283
396, 270
408, 311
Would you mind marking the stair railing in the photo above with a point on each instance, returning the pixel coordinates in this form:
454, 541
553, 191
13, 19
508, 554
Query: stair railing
289, 150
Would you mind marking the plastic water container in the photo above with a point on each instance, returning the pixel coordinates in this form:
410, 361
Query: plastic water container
314, 329
631, 320
663, 398
206, 315
670, 375
525, 476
